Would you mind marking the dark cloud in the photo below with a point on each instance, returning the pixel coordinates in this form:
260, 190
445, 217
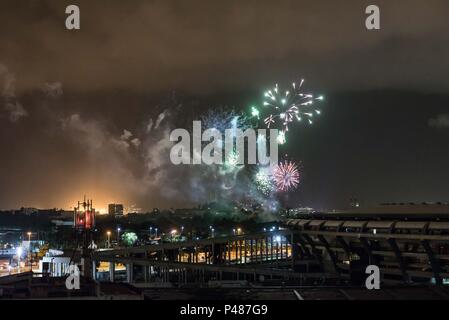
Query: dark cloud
205, 46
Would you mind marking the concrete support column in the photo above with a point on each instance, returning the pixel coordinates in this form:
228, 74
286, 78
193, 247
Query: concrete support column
277, 251
111, 271
282, 242
251, 250
145, 273
295, 250
240, 244
238, 253
94, 270
257, 250
266, 248
129, 273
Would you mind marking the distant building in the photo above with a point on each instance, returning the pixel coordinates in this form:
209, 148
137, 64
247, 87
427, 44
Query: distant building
66, 215
29, 211
62, 223
115, 210
133, 209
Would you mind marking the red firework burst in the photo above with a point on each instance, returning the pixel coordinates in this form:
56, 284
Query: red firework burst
286, 176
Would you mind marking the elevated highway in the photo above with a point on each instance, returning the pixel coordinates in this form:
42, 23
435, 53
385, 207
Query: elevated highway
317, 249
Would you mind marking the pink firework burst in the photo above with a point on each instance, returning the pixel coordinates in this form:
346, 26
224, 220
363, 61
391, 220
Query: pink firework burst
286, 176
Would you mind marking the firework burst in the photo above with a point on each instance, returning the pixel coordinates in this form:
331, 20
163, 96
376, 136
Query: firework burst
292, 105
232, 161
264, 181
286, 176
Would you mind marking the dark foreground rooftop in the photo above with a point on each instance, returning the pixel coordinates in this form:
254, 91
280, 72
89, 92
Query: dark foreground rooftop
307, 293
29, 286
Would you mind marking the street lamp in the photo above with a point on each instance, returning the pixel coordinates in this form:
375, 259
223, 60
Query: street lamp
118, 235
155, 229
151, 229
213, 232
239, 230
109, 238
233, 231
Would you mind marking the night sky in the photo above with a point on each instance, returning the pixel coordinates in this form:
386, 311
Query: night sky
68, 96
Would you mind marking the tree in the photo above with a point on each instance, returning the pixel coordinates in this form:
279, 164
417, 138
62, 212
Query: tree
129, 238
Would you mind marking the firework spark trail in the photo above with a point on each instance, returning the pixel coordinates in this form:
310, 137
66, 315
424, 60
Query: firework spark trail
222, 119
286, 176
290, 106
282, 139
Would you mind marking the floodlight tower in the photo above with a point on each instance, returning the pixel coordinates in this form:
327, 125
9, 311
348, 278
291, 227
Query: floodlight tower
84, 224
